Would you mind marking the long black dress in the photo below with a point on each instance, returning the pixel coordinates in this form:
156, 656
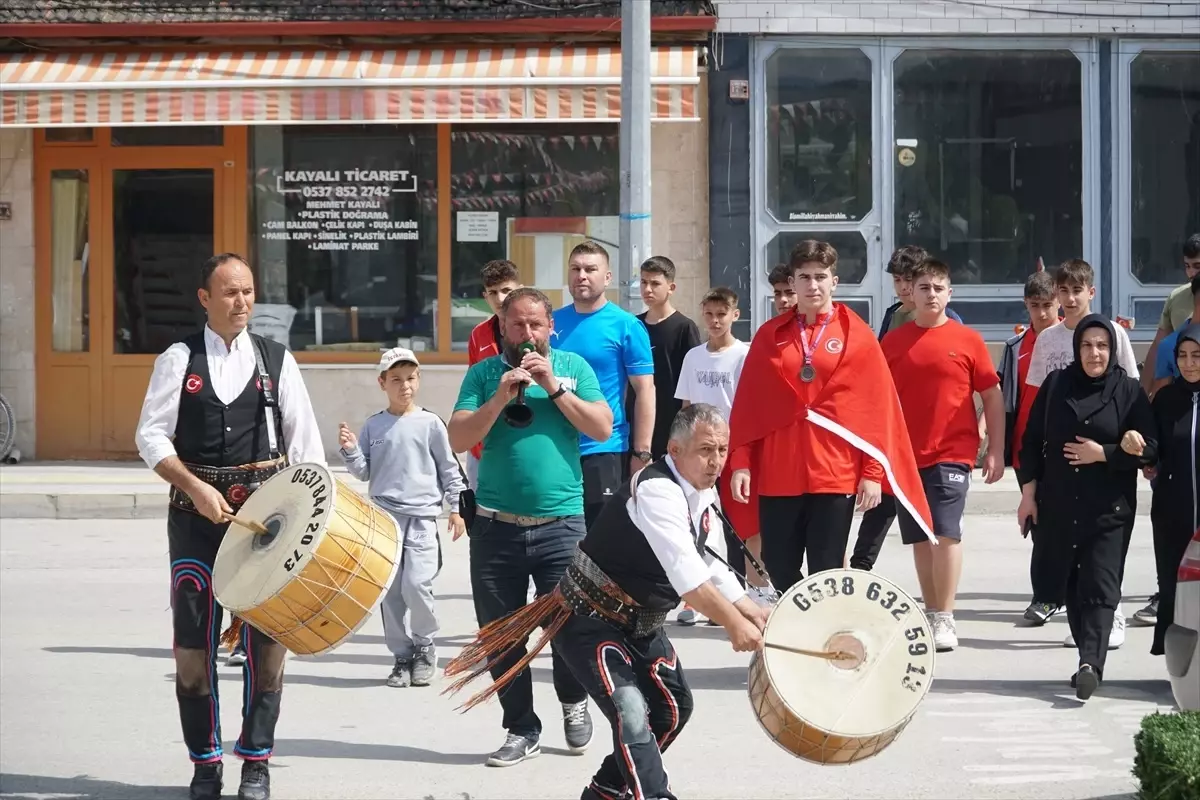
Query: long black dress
1086, 512
1175, 511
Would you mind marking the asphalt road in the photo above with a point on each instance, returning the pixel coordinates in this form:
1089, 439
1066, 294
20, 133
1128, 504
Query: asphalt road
87, 696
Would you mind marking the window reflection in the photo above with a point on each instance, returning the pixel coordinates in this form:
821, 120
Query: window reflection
819, 135
989, 160
1164, 126
69, 253
850, 246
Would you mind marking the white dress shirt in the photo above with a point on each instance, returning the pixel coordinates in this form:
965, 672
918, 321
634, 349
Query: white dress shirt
667, 513
229, 369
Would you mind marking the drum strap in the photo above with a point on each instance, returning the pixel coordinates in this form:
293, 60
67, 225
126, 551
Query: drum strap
745, 550
268, 391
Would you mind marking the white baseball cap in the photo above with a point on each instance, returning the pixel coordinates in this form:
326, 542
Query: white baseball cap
397, 355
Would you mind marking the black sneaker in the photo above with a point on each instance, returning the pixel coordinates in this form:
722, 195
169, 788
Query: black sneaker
577, 725
1147, 616
424, 664
206, 781
1086, 681
1038, 613
256, 781
516, 748
594, 791
401, 674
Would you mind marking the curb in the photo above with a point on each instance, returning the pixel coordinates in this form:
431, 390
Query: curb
153, 505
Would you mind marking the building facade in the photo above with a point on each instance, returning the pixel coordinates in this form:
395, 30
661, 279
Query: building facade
367, 164
998, 134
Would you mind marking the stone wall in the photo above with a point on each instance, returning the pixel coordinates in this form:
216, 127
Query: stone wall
17, 381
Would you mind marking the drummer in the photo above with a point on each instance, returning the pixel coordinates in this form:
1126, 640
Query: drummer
642, 555
207, 428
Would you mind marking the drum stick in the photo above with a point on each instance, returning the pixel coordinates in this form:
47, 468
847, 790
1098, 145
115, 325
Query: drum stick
248, 524
832, 655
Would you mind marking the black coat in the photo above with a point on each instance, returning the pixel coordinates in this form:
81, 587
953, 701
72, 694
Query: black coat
1079, 501
1176, 495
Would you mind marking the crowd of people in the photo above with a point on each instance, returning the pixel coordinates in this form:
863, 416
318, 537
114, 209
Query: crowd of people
620, 468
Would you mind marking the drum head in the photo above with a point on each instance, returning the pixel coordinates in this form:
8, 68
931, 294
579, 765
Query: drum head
294, 505
873, 620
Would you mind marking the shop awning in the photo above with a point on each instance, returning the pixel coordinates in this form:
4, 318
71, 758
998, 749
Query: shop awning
238, 87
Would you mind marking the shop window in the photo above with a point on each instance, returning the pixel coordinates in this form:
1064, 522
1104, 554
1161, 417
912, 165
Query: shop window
345, 236
529, 194
69, 135
1164, 116
850, 246
989, 160
70, 329
819, 135
169, 136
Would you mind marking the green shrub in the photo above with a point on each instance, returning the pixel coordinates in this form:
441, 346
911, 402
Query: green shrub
1167, 763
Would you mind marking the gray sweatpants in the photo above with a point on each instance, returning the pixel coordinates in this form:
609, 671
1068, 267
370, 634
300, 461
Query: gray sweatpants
411, 593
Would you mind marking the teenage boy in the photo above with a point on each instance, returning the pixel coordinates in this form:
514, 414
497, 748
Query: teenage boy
499, 278
1075, 286
404, 453
938, 366
672, 335
781, 287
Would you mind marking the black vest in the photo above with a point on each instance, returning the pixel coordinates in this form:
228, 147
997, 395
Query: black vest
620, 549
213, 434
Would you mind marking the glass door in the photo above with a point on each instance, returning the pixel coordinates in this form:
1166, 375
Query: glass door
815, 168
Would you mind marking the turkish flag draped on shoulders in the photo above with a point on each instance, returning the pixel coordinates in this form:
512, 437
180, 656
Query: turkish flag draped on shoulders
858, 403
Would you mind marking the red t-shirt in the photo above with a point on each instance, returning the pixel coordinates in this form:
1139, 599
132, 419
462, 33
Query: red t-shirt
484, 343
936, 371
1025, 394
803, 458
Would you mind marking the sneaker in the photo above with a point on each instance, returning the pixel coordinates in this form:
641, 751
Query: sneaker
1116, 637
424, 664
594, 791
687, 616
236, 658
206, 782
516, 748
1038, 613
256, 781
1149, 614
577, 725
401, 676
1086, 681
945, 636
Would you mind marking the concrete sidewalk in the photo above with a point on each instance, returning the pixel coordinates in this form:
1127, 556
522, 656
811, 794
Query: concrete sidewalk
127, 490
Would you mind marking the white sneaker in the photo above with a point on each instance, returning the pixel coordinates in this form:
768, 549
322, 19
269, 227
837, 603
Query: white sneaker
686, 616
1116, 636
945, 636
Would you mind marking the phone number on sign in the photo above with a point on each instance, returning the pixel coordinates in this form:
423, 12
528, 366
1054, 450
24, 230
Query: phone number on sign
347, 191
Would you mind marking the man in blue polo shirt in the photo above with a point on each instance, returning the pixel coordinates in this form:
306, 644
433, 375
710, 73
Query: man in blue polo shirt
617, 346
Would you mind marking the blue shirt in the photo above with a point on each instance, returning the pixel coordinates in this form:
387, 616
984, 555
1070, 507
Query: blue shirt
1164, 363
616, 345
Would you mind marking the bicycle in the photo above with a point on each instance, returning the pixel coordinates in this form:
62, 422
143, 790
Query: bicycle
8, 428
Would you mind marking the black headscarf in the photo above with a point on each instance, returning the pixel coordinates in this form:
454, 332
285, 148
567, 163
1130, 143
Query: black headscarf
1190, 333
1086, 394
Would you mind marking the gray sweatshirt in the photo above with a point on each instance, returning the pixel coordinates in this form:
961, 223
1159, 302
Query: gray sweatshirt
408, 463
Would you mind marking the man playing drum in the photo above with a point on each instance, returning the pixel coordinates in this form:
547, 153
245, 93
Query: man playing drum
644, 552
213, 428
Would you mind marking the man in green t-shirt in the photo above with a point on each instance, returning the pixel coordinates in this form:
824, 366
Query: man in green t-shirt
1176, 311
530, 496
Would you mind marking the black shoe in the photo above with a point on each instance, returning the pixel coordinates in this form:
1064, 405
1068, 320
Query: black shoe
256, 781
1086, 681
1038, 613
206, 781
577, 725
594, 791
516, 748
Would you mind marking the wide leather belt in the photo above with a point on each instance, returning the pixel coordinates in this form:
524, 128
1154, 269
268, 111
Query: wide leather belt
236, 484
589, 592
514, 519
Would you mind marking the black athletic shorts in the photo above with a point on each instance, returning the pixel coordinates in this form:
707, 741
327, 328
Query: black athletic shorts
946, 488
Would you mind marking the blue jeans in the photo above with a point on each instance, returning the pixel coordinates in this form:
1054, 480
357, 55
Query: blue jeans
503, 559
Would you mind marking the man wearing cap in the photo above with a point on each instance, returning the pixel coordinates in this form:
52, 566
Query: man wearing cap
404, 454
530, 496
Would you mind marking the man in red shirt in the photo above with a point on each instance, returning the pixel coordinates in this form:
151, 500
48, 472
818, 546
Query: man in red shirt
938, 365
812, 423
499, 278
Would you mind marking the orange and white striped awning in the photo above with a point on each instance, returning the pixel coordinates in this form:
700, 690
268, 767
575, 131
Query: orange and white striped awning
518, 84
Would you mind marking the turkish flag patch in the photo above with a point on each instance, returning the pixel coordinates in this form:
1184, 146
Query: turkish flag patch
193, 384
237, 493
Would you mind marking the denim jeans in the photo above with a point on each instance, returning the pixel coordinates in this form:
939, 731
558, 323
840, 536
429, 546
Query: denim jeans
503, 559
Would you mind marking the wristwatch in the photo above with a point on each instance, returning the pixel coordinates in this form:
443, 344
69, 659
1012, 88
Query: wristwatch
561, 391
644, 455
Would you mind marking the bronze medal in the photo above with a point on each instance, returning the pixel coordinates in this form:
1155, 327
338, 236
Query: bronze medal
808, 373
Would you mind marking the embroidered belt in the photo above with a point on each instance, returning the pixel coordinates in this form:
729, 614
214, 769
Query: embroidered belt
587, 591
236, 484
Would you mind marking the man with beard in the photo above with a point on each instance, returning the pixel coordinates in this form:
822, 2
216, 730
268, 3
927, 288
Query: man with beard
530, 496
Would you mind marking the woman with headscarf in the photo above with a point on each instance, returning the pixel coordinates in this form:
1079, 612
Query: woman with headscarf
1175, 510
1090, 430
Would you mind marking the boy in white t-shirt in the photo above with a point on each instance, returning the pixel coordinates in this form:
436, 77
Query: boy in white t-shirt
1075, 285
710, 374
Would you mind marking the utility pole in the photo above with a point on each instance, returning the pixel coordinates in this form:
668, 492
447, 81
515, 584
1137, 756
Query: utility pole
635, 149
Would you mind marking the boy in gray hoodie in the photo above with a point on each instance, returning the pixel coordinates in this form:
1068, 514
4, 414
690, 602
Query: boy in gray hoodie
404, 453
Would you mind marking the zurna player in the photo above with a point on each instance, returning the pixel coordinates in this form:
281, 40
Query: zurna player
213, 428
